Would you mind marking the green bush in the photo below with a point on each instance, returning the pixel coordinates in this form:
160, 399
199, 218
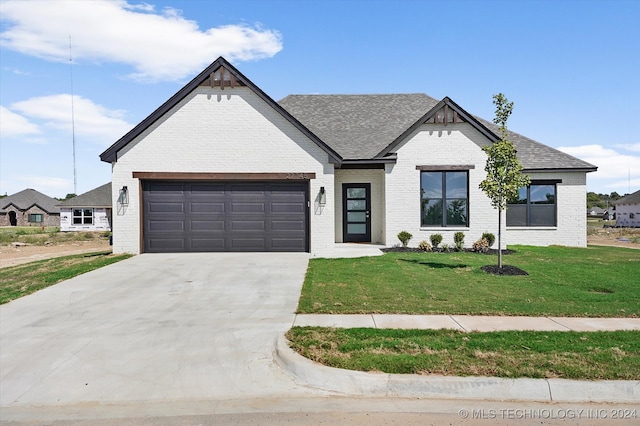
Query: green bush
458, 239
489, 237
435, 240
404, 238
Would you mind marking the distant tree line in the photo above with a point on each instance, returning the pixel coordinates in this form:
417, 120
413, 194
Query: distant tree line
602, 200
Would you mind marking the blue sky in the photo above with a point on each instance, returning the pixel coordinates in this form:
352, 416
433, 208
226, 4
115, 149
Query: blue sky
570, 67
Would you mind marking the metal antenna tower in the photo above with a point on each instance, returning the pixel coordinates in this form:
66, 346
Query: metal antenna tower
73, 124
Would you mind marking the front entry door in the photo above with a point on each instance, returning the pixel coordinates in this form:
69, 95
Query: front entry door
356, 207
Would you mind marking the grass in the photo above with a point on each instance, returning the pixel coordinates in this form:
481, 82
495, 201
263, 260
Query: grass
35, 235
568, 355
18, 281
562, 281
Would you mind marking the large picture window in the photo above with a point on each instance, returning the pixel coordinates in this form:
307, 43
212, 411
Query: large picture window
534, 206
82, 216
444, 198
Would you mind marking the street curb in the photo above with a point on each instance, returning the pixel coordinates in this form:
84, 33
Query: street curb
348, 382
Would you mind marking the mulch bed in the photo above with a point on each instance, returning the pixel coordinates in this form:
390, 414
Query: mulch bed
493, 252
505, 270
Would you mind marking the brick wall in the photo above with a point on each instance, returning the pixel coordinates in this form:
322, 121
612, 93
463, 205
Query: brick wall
214, 130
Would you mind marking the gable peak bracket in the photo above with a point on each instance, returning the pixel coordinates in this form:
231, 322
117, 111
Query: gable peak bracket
222, 78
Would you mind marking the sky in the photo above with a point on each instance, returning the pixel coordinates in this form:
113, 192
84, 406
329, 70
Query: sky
84, 72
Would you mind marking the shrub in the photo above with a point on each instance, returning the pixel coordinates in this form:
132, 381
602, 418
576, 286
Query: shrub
424, 246
458, 239
446, 248
489, 237
435, 240
481, 246
404, 238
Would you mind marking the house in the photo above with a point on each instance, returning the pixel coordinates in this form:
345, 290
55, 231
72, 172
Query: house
29, 208
628, 211
90, 211
595, 211
221, 166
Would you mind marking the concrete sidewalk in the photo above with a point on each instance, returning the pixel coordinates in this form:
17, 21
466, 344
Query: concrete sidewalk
467, 322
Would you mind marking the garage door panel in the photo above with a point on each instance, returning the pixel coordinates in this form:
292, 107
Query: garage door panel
166, 225
206, 225
207, 207
247, 207
229, 216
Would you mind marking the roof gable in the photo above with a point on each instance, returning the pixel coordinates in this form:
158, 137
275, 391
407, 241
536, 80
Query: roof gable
98, 197
28, 198
446, 111
219, 74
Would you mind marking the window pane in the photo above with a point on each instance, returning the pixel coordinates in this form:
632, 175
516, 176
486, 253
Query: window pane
356, 216
521, 198
356, 192
457, 212
356, 228
543, 194
456, 184
77, 220
431, 185
542, 215
88, 212
88, 220
356, 205
77, 212
516, 215
432, 212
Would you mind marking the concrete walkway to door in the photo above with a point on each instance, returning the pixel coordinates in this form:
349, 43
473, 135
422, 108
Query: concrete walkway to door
154, 327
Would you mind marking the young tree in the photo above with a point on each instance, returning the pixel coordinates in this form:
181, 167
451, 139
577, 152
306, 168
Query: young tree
504, 171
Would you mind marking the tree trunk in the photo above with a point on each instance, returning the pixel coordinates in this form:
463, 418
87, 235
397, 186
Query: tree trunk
499, 238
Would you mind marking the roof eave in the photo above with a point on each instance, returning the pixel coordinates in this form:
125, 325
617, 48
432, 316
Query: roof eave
559, 169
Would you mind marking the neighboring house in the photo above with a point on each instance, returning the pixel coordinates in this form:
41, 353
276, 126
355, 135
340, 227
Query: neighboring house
221, 166
90, 211
628, 211
29, 208
595, 211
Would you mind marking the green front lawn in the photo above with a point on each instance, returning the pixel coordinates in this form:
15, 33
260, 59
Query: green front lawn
562, 281
558, 354
21, 280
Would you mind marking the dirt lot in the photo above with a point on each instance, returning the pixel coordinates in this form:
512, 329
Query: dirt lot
11, 255
16, 255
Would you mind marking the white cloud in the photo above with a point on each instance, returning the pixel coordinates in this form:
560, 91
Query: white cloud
616, 171
12, 124
49, 185
91, 120
159, 46
629, 146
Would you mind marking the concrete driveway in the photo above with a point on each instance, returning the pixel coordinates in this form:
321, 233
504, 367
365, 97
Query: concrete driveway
155, 327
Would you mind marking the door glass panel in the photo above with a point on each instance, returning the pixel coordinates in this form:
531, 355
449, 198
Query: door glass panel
356, 216
356, 228
356, 204
356, 192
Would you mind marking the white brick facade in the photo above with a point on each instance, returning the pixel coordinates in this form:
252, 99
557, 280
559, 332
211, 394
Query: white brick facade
214, 130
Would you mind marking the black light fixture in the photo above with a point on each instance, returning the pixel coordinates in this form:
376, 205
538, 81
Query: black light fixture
123, 197
322, 198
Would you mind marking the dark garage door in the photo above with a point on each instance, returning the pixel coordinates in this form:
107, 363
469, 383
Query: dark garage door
224, 216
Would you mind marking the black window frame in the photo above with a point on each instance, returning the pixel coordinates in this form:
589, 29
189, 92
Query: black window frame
35, 216
84, 219
529, 205
443, 200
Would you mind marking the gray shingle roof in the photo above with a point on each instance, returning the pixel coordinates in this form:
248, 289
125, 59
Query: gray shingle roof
358, 126
629, 199
25, 199
361, 126
98, 197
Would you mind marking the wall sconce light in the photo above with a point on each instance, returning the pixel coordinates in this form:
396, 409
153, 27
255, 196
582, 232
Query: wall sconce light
123, 197
322, 198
